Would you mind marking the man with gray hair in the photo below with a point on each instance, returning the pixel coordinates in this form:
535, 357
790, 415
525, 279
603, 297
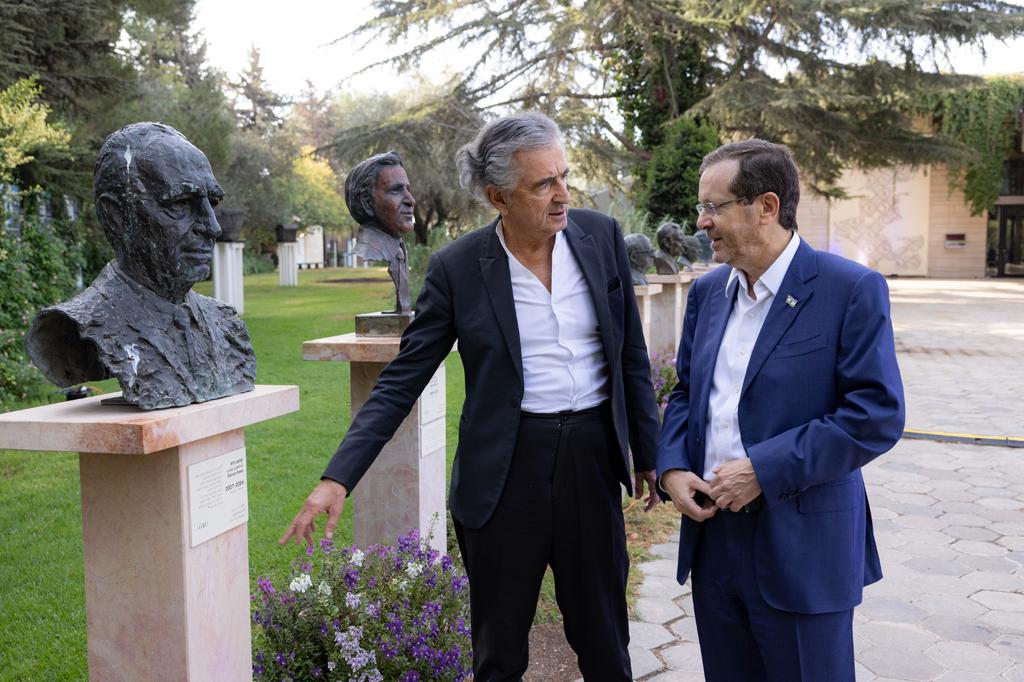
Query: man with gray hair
558, 396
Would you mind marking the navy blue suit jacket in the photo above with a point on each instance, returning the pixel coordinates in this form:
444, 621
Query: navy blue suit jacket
821, 398
467, 295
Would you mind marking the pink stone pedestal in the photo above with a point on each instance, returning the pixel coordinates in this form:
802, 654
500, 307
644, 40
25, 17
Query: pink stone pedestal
645, 301
667, 312
405, 487
157, 608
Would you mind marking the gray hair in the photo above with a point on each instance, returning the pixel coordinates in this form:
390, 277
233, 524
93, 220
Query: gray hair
488, 159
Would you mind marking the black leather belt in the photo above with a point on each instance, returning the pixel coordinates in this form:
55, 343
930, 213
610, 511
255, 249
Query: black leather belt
752, 507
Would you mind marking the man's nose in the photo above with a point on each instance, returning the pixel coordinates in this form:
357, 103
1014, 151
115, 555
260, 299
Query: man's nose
408, 198
704, 220
561, 195
208, 219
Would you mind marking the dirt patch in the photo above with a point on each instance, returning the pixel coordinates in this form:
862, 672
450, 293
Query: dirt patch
551, 657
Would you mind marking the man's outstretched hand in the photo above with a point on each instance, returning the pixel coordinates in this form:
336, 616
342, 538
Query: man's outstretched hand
328, 496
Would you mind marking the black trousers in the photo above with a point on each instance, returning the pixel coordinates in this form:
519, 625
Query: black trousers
561, 506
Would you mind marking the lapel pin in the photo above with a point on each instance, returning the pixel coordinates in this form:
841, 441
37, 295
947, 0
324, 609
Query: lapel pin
791, 302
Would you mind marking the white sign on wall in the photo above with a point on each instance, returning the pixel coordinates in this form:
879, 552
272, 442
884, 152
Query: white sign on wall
217, 496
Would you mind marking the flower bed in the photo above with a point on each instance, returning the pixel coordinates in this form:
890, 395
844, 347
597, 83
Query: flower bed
386, 613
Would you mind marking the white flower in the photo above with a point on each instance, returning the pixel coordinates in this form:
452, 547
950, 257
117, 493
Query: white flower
357, 558
324, 589
403, 585
331, 665
413, 569
301, 583
352, 600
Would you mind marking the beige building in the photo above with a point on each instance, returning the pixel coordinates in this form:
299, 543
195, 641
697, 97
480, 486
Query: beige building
899, 221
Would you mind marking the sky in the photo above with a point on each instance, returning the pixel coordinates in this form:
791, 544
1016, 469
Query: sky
295, 36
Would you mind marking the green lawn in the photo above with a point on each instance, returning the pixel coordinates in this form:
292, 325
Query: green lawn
42, 605
42, 612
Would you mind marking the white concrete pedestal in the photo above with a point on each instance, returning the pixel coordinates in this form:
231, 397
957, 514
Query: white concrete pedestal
405, 487
667, 310
287, 264
157, 607
227, 274
644, 301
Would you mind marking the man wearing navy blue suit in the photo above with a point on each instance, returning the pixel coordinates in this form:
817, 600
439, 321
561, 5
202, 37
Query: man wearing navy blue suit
788, 385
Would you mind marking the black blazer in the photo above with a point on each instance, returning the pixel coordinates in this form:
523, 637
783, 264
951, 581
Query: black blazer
467, 296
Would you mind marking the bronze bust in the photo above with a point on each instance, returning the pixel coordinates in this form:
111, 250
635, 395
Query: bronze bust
139, 321
379, 198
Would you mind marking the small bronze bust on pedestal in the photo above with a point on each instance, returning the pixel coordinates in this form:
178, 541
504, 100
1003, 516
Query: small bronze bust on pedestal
140, 321
380, 199
641, 257
675, 249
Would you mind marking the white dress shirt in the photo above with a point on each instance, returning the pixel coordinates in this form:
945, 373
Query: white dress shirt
746, 318
564, 367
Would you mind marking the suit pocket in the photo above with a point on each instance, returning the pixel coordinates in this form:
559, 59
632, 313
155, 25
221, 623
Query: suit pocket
801, 347
830, 497
614, 284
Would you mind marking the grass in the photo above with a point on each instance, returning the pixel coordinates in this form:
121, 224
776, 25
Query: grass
42, 611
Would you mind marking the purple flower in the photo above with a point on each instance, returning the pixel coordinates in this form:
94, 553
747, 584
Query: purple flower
352, 578
266, 587
411, 676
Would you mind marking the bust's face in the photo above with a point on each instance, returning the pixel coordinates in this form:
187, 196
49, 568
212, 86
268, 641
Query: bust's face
393, 202
175, 221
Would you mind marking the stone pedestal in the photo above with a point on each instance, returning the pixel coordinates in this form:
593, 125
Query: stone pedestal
287, 264
667, 313
644, 300
227, 274
164, 526
405, 487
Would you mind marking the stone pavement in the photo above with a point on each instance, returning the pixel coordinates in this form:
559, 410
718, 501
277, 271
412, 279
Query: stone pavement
949, 518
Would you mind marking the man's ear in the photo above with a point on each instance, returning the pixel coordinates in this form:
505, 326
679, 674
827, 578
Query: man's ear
770, 206
497, 199
109, 212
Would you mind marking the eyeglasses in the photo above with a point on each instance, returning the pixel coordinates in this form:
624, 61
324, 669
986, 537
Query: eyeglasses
713, 209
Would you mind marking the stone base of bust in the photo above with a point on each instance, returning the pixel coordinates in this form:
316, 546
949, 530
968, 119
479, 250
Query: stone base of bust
405, 487
227, 274
382, 324
287, 264
157, 608
667, 312
645, 294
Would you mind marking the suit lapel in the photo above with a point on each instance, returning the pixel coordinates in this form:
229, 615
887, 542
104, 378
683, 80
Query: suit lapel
498, 281
793, 295
582, 246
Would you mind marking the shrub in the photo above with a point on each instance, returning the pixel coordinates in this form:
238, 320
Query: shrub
663, 376
386, 613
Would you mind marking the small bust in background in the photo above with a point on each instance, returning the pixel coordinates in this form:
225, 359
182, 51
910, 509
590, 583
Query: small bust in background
379, 198
139, 321
670, 246
641, 257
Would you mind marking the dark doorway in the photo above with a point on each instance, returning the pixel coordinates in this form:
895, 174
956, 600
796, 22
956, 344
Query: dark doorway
1009, 259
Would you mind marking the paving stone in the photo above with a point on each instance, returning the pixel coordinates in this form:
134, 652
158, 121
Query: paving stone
986, 481
1012, 542
895, 663
1008, 527
980, 491
685, 629
948, 605
938, 566
1001, 582
677, 676
966, 520
916, 499
922, 522
1001, 503
684, 657
893, 610
648, 635
1003, 621
667, 550
960, 629
905, 486
1003, 601
1009, 645
685, 603
899, 635
993, 564
643, 661
920, 536
932, 551
974, 548
970, 533
657, 610
963, 676
967, 656
862, 674
1014, 674
666, 568
944, 585
660, 587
